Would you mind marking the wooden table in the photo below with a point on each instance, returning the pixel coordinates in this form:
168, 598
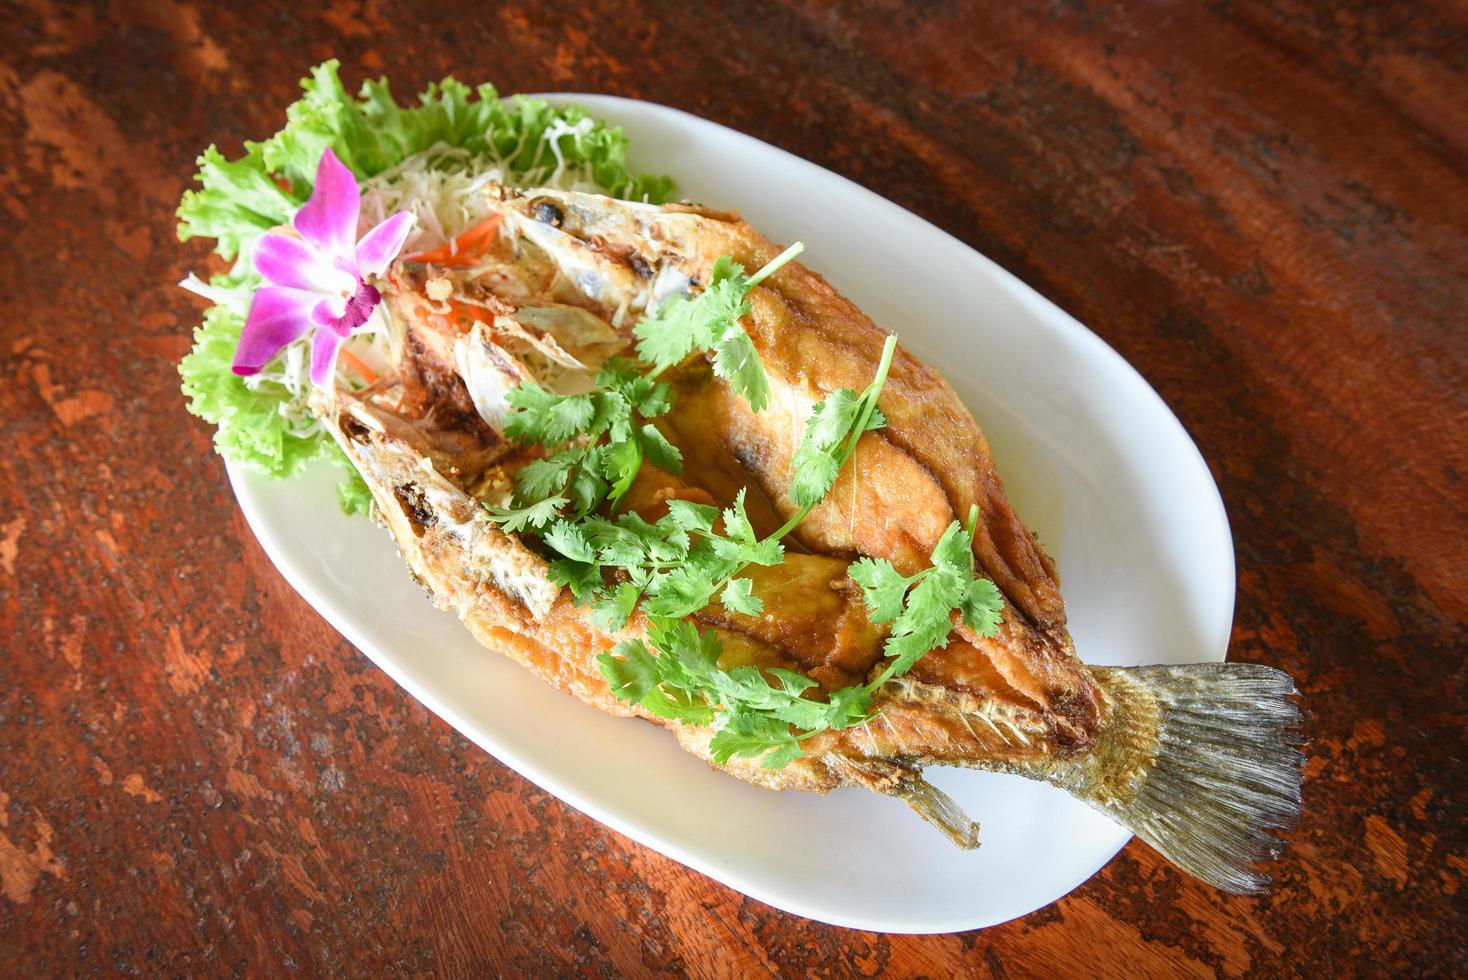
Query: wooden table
1262, 206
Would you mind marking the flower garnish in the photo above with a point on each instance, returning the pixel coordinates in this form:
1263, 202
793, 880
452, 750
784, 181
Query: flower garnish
319, 275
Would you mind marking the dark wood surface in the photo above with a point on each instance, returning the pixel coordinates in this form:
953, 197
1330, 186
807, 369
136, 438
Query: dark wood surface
1262, 206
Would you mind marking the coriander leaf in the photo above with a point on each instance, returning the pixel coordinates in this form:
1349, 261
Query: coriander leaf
691, 516
542, 478
659, 451
752, 708
618, 543
678, 706
832, 432
883, 587
927, 619
736, 360
611, 614
630, 670
767, 552
983, 607
611, 412
790, 681
921, 607
587, 488
848, 706
709, 321
650, 398
814, 464
583, 579
620, 462
729, 743
736, 521
618, 374
678, 328
515, 519
697, 651
954, 551
571, 541
738, 597
786, 751
748, 733
685, 591
529, 418
569, 416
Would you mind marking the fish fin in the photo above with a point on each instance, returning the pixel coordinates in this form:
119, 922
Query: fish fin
938, 809
1201, 761
908, 785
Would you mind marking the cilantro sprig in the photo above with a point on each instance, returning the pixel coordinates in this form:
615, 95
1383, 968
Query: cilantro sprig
684, 562
710, 322
753, 709
920, 607
675, 567
601, 438
764, 712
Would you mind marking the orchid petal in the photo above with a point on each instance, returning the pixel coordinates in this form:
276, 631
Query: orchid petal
323, 356
359, 308
325, 314
382, 244
289, 261
328, 219
278, 315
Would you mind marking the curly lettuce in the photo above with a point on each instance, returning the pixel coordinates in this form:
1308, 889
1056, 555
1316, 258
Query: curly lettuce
259, 423
249, 424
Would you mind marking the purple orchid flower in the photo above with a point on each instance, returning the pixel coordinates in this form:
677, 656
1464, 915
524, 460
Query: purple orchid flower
319, 279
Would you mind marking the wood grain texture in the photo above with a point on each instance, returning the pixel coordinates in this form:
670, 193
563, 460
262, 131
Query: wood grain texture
1262, 205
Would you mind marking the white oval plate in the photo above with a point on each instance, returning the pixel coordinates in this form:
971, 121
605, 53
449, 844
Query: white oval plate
1095, 462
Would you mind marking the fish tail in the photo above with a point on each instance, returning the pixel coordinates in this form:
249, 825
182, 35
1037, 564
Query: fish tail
1201, 761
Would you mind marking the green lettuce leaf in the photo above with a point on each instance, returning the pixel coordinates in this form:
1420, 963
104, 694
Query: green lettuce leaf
250, 427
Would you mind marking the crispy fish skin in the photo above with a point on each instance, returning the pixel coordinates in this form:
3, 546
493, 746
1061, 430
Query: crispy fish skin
1201, 761
500, 589
908, 481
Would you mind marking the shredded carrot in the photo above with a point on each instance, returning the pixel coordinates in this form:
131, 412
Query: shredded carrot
468, 312
466, 249
356, 364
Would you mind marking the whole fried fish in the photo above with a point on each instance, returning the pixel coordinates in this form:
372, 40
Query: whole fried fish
1200, 761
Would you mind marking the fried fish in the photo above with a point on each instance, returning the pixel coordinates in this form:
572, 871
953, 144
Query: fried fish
1200, 761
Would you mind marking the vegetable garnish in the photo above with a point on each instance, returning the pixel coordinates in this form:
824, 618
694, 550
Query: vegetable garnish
464, 249
920, 607
675, 566
762, 712
590, 470
432, 159
682, 563
319, 276
710, 322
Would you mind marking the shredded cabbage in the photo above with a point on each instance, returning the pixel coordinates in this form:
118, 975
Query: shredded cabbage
434, 159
